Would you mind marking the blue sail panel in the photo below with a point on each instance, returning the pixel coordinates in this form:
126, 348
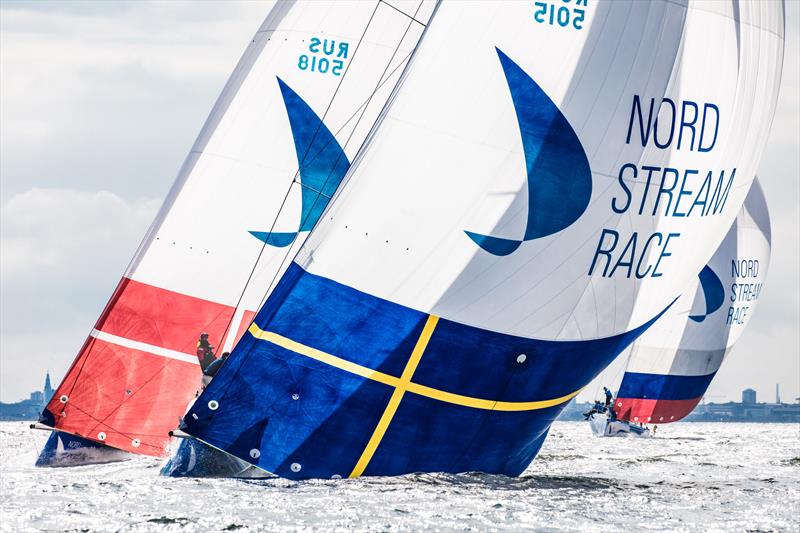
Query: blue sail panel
331, 381
558, 174
668, 387
321, 161
713, 291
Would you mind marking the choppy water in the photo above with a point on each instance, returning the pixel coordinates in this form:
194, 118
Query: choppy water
690, 477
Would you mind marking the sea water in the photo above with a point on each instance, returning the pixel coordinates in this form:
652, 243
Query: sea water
689, 477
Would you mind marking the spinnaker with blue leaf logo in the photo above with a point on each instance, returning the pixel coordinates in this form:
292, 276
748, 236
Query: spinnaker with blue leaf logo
672, 364
275, 148
538, 191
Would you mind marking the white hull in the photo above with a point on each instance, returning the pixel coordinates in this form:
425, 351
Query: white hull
603, 427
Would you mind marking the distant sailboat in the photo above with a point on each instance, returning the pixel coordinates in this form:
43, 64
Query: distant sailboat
271, 155
469, 279
672, 365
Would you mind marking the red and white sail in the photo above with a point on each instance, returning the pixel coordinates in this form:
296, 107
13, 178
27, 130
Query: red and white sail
202, 266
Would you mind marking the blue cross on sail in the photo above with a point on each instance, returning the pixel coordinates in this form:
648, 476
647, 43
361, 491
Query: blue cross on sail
559, 176
322, 164
713, 291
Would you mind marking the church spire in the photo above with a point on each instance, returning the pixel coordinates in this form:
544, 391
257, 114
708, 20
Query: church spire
48, 388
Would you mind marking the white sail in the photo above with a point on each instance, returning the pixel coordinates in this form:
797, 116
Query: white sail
293, 114
547, 179
673, 363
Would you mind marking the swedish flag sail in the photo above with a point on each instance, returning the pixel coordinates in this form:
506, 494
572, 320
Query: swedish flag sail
672, 365
539, 190
273, 151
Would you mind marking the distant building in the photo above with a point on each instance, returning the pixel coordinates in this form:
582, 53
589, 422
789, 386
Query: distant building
31, 408
748, 396
747, 411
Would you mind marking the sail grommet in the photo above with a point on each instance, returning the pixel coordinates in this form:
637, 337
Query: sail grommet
213, 405
296, 467
64, 398
101, 435
521, 358
194, 415
135, 443
336, 476
295, 396
255, 453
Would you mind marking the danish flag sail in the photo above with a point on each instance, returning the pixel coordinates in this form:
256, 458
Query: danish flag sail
272, 153
671, 365
543, 184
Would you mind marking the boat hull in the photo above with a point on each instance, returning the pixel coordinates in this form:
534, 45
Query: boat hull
63, 450
193, 458
603, 427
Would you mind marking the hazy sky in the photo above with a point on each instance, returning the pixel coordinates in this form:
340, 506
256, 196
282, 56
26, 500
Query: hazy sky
100, 103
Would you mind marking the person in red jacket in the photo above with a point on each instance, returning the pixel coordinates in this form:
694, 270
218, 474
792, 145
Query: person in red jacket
205, 352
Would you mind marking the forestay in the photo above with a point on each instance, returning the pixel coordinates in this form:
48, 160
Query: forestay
671, 365
545, 182
274, 149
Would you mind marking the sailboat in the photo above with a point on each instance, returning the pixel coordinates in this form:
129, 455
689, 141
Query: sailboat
672, 365
538, 191
269, 158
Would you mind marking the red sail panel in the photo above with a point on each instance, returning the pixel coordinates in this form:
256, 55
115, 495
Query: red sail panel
137, 372
164, 318
656, 411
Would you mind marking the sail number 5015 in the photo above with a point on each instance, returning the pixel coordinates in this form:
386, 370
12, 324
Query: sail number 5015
559, 12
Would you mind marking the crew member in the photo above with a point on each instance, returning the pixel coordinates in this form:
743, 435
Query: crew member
205, 352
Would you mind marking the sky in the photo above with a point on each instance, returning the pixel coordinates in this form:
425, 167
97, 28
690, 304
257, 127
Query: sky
99, 105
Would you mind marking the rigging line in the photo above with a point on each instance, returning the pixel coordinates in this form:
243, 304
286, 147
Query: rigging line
300, 162
312, 189
412, 17
133, 393
416, 46
338, 157
299, 166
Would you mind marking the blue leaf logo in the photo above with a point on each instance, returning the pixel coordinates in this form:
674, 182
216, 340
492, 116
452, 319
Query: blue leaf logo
713, 291
322, 163
559, 176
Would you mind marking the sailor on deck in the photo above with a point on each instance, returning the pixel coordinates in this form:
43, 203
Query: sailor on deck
609, 396
205, 352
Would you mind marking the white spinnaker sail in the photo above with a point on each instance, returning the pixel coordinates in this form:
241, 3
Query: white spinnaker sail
448, 155
292, 115
672, 364
545, 182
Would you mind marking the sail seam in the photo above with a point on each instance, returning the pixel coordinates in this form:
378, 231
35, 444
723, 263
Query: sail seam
397, 396
144, 347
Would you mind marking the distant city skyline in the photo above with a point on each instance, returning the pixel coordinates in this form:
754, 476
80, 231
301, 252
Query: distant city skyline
101, 102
